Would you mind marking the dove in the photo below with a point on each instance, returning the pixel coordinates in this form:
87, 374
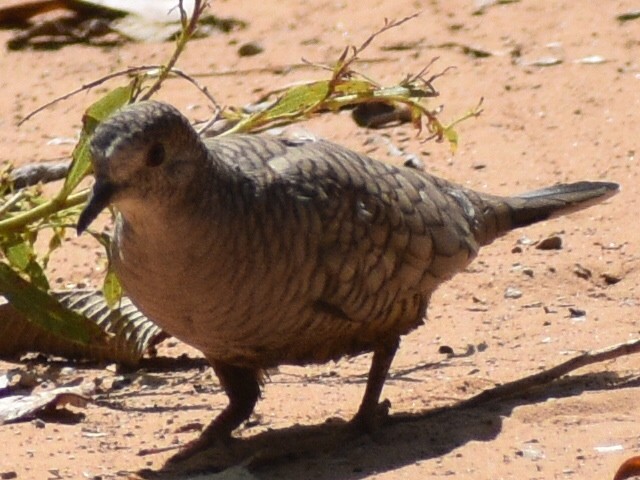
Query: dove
261, 251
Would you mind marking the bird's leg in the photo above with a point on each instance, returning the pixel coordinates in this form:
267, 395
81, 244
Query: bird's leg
371, 411
242, 386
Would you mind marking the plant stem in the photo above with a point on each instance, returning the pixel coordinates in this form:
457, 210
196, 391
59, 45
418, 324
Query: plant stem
188, 29
11, 202
20, 221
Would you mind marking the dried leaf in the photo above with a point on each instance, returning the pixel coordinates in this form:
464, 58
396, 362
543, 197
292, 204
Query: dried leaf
18, 407
34, 173
131, 334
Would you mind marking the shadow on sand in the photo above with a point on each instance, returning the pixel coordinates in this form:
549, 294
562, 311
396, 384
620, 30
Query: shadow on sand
332, 451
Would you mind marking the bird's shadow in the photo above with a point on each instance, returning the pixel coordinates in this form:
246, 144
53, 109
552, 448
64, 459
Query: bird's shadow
332, 451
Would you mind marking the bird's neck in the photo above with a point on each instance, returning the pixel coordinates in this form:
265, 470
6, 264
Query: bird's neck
214, 202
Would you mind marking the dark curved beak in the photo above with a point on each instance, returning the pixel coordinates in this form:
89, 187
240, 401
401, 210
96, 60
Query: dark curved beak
100, 199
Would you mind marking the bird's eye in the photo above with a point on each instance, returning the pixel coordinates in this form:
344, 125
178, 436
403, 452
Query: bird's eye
155, 155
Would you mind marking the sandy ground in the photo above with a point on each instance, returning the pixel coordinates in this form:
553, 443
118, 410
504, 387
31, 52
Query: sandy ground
541, 125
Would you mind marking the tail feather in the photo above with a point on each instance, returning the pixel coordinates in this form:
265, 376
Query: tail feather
503, 214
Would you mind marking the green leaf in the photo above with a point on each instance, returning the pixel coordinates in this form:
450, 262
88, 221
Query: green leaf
55, 242
96, 113
21, 255
298, 100
19, 252
107, 106
80, 165
355, 86
36, 274
42, 309
111, 289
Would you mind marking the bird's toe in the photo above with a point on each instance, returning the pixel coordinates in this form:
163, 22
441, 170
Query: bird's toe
370, 420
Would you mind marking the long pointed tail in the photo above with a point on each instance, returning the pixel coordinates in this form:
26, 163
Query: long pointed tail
502, 214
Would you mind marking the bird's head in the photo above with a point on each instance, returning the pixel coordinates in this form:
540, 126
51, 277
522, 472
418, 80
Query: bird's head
141, 154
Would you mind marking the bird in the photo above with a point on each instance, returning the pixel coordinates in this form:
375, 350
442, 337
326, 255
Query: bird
262, 251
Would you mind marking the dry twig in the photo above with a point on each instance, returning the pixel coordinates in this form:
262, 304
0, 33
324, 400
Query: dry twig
126, 72
188, 29
522, 385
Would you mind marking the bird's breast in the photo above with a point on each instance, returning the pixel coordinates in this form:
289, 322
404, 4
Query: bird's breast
230, 290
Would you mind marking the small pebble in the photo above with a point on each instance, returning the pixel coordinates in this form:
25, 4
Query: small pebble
543, 62
577, 312
513, 293
553, 242
445, 350
250, 49
413, 161
523, 240
591, 60
532, 452
610, 279
378, 114
120, 382
609, 448
582, 272
479, 300
630, 15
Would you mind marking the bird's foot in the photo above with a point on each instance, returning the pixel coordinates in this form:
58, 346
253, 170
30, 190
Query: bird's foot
369, 419
206, 441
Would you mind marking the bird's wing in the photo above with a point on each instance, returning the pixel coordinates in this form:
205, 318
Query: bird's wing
383, 233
